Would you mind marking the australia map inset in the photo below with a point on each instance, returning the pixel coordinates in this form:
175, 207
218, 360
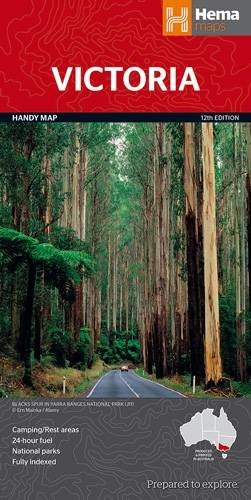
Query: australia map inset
205, 426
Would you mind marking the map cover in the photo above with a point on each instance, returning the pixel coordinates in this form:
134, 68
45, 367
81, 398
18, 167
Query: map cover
125, 250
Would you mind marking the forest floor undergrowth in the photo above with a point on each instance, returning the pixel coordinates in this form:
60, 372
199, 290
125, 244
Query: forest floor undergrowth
181, 383
47, 379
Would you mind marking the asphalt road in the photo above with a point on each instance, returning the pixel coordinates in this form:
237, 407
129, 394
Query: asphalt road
117, 384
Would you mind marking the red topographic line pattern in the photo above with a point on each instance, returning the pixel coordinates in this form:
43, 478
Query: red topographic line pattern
37, 35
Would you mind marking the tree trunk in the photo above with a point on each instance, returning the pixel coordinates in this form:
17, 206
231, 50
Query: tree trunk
15, 316
192, 245
240, 259
248, 130
148, 341
181, 301
24, 224
121, 307
25, 205
213, 365
160, 323
108, 287
127, 301
27, 323
38, 328
78, 222
115, 266
42, 312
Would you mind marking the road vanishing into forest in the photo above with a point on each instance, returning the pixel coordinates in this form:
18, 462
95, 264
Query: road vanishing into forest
117, 384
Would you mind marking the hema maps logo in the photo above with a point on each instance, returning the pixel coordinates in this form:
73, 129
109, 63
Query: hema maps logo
177, 17
173, 21
200, 17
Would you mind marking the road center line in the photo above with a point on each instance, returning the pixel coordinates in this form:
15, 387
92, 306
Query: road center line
131, 389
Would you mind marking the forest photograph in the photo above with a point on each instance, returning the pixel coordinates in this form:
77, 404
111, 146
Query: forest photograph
125, 257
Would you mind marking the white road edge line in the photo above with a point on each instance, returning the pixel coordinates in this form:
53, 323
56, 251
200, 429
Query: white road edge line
94, 387
131, 389
164, 387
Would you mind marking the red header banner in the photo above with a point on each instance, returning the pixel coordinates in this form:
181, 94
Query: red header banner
113, 56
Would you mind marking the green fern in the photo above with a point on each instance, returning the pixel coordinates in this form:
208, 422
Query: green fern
62, 267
